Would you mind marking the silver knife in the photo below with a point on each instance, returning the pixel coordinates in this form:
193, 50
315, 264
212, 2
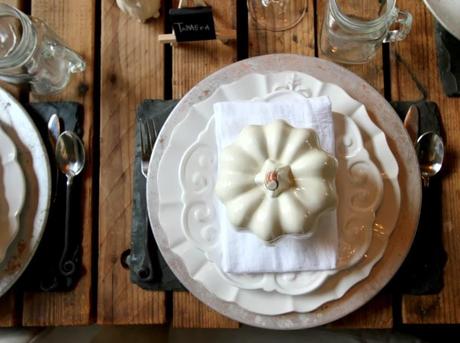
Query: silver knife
411, 123
54, 130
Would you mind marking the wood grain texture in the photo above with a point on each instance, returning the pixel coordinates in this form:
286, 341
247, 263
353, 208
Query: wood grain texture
415, 59
191, 63
298, 40
74, 22
8, 315
189, 312
132, 64
378, 312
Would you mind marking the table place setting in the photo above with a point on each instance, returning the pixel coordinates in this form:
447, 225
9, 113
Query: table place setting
282, 191
42, 153
246, 274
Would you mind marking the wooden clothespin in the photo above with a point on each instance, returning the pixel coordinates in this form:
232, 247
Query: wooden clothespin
193, 21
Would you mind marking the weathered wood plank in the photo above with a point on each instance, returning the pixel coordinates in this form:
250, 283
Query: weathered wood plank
378, 312
132, 64
417, 58
189, 312
191, 63
8, 315
75, 23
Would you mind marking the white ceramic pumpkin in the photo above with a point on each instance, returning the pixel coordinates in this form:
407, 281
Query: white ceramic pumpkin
276, 180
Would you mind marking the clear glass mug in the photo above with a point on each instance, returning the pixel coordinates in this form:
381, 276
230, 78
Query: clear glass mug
277, 15
353, 30
31, 52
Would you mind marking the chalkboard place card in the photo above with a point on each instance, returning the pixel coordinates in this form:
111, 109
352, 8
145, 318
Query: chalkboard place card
192, 24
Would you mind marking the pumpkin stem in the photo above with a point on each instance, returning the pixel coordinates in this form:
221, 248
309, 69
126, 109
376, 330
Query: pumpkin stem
271, 180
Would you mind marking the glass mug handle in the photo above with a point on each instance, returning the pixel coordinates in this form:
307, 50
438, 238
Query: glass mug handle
76, 62
404, 20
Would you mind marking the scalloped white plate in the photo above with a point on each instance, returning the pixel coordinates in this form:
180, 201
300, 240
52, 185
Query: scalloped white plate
291, 293
12, 192
243, 305
32, 157
359, 185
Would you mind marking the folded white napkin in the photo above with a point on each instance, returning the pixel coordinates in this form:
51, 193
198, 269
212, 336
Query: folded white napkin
243, 252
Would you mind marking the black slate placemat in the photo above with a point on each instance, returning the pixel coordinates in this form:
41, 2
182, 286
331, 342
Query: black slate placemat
43, 274
423, 269
140, 255
448, 53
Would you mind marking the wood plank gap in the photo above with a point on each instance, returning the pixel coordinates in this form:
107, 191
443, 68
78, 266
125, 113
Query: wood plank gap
96, 154
167, 48
242, 30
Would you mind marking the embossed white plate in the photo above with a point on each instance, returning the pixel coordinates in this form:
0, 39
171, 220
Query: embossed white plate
195, 199
32, 157
359, 186
12, 192
252, 306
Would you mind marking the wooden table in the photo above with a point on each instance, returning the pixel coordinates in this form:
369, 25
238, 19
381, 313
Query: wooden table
126, 64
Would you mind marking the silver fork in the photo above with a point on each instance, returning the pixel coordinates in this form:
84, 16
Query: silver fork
148, 135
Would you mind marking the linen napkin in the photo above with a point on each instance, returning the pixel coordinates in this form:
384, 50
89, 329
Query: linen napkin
243, 252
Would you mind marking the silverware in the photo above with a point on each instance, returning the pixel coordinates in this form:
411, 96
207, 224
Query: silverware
411, 123
70, 159
54, 130
430, 153
148, 135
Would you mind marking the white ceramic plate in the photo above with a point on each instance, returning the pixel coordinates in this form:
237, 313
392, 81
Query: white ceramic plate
12, 192
198, 231
447, 12
382, 114
32, 157
359, 186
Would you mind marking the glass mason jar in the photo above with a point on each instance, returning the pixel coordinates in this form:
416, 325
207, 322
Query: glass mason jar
353, 30
31, 52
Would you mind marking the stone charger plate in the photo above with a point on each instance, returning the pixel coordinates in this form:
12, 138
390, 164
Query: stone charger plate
382, 115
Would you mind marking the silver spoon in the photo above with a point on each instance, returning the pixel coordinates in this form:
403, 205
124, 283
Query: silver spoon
430, 153
70, 159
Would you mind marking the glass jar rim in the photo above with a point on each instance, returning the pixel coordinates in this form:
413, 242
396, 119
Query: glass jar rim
23, 51
360, 24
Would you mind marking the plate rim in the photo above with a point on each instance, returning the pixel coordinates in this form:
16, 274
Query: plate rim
19, 270
433, 10
397, 138
20, 185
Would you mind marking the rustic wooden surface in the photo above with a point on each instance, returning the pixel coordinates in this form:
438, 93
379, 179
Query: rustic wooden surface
126, 64
131, 70
417, 55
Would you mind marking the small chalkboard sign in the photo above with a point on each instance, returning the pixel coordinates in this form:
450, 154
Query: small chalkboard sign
192, 24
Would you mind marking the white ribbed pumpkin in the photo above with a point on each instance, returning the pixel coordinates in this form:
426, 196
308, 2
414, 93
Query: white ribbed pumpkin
276, 180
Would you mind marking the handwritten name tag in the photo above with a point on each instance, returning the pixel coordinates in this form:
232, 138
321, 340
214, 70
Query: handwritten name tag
192, 24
